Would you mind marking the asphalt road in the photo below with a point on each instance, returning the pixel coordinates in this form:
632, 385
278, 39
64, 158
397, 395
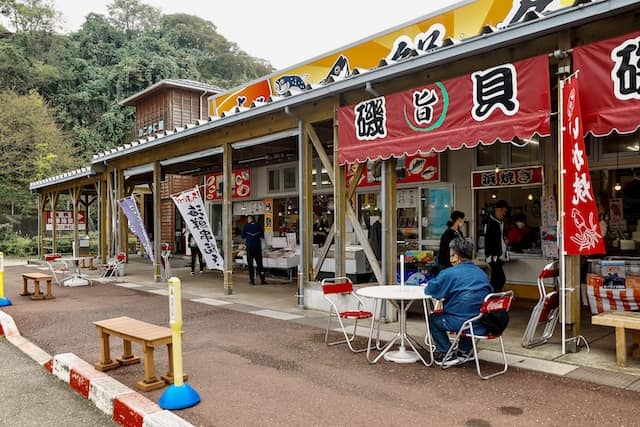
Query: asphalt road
31, 396
253, 370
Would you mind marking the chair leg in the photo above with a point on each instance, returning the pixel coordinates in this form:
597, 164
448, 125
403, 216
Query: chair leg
504, 361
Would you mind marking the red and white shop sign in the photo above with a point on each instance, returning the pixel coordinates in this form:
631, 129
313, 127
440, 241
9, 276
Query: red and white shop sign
64, 220
494, 104
516, 177
240, 187
580, 223
418, 168
610, 87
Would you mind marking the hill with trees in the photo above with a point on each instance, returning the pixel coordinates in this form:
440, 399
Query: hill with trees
59, 92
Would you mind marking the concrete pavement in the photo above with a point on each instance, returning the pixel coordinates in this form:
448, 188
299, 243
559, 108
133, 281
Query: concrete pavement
30, 396
255, 357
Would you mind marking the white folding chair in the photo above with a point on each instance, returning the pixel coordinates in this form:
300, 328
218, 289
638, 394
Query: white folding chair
59, 269
344, 304
114, 268
493, 303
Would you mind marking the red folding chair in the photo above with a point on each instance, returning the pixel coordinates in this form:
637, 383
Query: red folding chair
338, 291
493, 303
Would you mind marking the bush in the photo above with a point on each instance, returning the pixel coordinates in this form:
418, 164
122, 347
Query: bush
14, 244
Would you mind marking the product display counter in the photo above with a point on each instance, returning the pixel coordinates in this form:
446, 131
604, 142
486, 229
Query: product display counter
285, 260
357, 266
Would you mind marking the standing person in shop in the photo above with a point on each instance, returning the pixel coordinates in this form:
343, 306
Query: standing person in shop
195, 251
319, 231
495, 246
252, 234
454, 229
519, 236
375, 237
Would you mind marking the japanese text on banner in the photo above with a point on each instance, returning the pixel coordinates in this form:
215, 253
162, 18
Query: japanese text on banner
191, 208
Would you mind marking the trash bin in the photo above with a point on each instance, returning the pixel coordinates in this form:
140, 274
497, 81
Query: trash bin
84, 245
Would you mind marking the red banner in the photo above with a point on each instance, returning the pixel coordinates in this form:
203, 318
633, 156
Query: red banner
580, 223
415, 169
240, 187
499, 103
610, 81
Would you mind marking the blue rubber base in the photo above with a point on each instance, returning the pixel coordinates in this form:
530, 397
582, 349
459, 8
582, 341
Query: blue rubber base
179, 397
4, 302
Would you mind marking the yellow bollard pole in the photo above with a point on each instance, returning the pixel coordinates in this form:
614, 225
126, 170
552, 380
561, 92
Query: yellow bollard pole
175, 321
179, 395
3, 301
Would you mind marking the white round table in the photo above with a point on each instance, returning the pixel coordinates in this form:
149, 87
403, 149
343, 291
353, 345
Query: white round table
405, 295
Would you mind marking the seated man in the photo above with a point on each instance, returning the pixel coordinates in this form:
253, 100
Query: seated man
463, 288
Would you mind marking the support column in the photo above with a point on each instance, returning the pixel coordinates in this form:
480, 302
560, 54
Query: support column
305, 180
156, 221
227, 218
123, 227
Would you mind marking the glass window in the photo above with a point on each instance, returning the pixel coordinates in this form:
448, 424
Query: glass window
436, 210
274, 180
525, 152
289, 178
489, 155
622, 144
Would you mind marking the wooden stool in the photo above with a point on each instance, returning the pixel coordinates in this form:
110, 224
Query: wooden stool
36, 277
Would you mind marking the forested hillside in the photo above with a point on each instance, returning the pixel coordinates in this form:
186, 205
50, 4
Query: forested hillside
59, 92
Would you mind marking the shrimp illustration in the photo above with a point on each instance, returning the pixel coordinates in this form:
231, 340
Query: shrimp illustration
587, 235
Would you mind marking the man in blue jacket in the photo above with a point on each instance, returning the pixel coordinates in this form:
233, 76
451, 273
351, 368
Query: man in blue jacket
463, 288
252, 234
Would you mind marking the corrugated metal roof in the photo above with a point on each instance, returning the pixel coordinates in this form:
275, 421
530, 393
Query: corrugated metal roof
181, 83
67, 176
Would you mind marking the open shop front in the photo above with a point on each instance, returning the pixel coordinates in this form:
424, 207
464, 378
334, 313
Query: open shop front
611, 119
441, 119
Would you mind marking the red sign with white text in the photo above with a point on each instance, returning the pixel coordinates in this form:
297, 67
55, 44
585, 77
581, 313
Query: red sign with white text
580, 223
495, 104
610, 87
240, 187
64, 220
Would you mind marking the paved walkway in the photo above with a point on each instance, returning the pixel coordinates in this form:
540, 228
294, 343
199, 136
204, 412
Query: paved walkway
255, 357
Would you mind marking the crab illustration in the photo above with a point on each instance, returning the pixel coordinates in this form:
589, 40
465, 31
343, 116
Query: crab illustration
587, 235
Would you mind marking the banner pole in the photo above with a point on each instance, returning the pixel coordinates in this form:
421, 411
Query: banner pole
561, 174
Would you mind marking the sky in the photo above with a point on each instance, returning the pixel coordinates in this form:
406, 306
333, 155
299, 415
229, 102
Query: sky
285, 33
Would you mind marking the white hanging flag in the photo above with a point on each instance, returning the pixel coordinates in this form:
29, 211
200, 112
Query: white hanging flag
191, 208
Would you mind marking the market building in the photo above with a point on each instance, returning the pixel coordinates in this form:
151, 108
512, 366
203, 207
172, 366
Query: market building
454, 110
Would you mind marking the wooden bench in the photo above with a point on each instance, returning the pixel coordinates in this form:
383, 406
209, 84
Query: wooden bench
36, 277
149, 336
620, 320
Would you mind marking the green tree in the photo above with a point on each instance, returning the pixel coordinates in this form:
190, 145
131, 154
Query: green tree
132, 16
33, 146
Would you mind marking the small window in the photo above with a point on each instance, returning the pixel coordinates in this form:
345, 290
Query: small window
289, 178
489, 155
274, 180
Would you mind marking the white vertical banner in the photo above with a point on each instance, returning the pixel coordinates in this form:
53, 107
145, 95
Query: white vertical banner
191, 208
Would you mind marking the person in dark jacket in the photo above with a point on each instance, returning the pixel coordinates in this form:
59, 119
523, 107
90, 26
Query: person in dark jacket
495, 247
463, 288
252, 234
195, 252
454, 229
375, 237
